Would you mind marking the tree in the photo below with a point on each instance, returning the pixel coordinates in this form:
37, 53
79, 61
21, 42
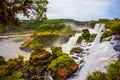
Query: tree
10, 8
2, 60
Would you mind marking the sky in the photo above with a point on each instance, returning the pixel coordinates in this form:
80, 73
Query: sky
83, 10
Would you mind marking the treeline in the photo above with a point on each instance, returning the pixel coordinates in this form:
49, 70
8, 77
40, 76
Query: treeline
34, 24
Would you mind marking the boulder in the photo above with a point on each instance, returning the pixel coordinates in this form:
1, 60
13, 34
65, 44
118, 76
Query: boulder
117, 37
117, 46
65, 72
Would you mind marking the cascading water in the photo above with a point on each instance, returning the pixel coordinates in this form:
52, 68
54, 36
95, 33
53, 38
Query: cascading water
70, 44
97, 38
96, 28
98, 54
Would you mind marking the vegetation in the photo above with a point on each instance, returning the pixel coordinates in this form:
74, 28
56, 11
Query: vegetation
113, 73
54, 24
10, 9
86, 36
112, 28
2, 60
60, 62
57, 51
40, 63
48, 33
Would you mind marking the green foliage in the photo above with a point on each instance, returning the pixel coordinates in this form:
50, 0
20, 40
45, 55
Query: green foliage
2, 60
90, 40
9, 9
79, 40
93, 35
73, 50
106, 34
51, 26
113, 73
60, 62
57, 51
113, 27
97, 76
75, 22
10, 70
38, 48
86, 34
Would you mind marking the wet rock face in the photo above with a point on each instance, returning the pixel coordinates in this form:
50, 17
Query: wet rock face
117, 47
65, 72
117, 37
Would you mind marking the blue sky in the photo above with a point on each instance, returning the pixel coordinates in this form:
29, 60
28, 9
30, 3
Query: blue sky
83, 10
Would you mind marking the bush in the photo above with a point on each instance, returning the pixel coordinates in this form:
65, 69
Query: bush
60, 62
38, 48
51, 26
86, 34
97, 76
57, 51
106, 34
2, 60
79, 40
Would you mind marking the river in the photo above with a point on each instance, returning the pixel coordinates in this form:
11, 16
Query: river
9, 47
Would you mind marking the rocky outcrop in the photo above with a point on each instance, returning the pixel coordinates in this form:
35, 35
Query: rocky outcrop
117, 37
65, 72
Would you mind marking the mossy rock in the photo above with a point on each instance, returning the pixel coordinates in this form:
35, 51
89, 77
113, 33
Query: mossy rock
79, 40
76, 50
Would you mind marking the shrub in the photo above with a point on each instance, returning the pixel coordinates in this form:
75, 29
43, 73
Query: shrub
57, 51
62, 61
79, 40
113, 73
2, 60
97, 76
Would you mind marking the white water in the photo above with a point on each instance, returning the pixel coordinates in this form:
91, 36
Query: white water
71, 43
98, 54
97, 27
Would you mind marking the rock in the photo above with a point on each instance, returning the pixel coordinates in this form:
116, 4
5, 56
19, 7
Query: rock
117, 37
118, 57
117, 47
76, 50
65, 72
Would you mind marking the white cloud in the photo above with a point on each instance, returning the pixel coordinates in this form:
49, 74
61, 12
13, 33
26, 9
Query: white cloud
78, 9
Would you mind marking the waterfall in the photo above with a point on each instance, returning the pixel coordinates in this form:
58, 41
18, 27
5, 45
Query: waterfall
97, 38
96, 28
71, 43
98, 54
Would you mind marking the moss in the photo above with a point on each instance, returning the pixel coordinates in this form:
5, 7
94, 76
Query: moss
38, 48
106, 34
97, 76
62, 61
57, 51
90, 40
93, 35
85, 35
73, 50
79, 40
